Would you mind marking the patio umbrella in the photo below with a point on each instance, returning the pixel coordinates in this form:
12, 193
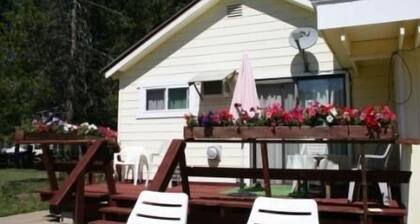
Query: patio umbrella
245, 91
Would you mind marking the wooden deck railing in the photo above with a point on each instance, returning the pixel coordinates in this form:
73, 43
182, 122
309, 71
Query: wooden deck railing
75, 182
176, 156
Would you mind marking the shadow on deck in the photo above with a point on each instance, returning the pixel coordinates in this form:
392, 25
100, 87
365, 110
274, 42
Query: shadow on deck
210, 204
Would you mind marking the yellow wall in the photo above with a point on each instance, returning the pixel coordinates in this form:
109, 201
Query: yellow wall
370, 85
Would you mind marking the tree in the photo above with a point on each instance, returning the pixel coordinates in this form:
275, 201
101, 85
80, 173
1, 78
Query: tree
51, 52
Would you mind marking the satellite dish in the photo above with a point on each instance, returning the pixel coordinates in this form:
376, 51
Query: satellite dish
303, 38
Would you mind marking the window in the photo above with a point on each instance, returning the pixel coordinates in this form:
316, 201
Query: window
162, 102
213, 87
166, 99
324, 89
177, 98
155, 99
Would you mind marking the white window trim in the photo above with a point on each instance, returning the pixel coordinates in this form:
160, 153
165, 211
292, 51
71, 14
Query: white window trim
166, 113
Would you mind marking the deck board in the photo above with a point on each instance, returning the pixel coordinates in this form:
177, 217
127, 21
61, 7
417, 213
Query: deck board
206, 195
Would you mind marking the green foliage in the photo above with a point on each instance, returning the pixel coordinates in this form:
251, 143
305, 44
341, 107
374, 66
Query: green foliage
39, 70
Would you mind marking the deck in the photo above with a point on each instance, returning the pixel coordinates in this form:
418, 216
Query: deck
209, 200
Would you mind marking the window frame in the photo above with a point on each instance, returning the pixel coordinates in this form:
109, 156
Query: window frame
165, 113
294, 80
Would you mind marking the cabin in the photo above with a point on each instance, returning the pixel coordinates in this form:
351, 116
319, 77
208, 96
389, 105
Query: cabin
204, 45
188, 65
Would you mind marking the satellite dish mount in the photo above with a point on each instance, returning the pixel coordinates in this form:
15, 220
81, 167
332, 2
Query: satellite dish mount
301, 39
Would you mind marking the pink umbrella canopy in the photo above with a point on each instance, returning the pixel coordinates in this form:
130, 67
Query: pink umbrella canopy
245, 90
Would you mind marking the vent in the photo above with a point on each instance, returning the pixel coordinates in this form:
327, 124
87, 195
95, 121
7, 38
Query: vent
234, 10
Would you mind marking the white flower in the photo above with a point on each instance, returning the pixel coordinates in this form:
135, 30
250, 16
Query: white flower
86, 124
333, 111
92, 127
330, 119
66, 128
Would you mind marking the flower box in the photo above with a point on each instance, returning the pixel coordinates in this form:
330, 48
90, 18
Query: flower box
21, 135
284, 132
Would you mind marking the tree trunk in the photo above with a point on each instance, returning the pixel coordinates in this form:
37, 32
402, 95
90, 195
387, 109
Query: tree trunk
71, 79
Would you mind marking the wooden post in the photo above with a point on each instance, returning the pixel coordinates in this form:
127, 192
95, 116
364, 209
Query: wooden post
79, 211
364, 183
77, 172
254, 158
266, 172
167, 166
184, 175
109, 177
48, 164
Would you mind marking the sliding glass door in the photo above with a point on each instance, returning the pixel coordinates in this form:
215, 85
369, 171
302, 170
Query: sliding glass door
326, 89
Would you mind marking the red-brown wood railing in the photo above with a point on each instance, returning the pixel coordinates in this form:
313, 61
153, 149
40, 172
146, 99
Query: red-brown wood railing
75, 182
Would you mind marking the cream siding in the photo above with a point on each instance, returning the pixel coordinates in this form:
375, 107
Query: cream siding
215, 43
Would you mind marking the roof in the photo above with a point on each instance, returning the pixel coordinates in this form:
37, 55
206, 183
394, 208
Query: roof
163, 31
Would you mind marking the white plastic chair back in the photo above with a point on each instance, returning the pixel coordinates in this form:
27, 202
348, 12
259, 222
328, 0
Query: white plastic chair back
160, 208
326, 164
132, 154
285, 211
300, 162
133, 158
314, 149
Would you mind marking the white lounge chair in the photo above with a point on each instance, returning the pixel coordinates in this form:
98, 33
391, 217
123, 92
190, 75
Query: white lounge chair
160, 208
285, 211
384, 188
132, 158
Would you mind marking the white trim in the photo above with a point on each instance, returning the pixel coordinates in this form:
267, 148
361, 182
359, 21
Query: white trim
303, 4
359, 13
417, 42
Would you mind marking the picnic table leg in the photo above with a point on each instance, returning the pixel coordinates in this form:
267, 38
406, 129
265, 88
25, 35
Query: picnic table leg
79, 216
266, 173
364, 184
48, 164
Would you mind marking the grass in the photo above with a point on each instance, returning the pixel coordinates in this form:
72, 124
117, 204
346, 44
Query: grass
276, 190
18, 191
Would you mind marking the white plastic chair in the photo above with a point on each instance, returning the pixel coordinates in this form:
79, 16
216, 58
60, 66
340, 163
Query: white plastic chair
132, 158
160, 208
285, 211
384, 188
314, 149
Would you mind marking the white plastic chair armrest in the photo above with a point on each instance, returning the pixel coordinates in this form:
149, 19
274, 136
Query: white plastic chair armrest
375, 156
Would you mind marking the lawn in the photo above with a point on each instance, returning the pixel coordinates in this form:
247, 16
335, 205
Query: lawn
18, 191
